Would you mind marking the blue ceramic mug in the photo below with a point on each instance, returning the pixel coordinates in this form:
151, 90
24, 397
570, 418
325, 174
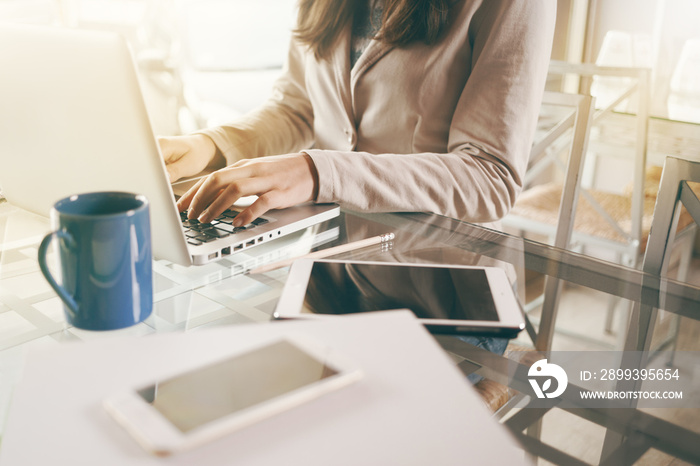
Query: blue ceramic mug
105, 259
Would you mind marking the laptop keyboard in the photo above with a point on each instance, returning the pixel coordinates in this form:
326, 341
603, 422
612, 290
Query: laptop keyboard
198, 233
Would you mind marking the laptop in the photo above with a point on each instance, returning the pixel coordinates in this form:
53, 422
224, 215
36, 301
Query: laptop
73, 119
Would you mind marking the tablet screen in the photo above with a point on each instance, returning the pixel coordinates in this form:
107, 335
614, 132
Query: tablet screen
430, 292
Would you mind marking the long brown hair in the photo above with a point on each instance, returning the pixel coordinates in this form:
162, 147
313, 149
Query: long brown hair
404, 21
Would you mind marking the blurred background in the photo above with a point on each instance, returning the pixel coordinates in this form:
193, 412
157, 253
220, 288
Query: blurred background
201, 62
659, 34
206, 61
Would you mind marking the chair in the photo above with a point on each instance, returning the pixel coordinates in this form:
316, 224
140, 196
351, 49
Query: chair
573, 116
674, 189
608, 220
605, 220
617, 219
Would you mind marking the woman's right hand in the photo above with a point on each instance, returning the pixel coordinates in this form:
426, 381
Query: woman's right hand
189, 155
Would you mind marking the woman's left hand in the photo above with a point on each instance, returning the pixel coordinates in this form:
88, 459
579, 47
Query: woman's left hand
279, 181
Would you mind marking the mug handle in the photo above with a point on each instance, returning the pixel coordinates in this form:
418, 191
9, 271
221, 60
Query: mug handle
71, 305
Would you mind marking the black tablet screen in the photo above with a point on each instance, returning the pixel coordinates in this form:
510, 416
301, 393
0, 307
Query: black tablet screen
430, 292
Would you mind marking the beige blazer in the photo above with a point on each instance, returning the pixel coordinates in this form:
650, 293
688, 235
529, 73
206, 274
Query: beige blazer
445, 128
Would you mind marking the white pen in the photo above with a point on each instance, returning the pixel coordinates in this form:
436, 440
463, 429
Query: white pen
385, 238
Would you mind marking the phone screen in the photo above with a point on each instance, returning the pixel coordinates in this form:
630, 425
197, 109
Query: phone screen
203, 395
430, 292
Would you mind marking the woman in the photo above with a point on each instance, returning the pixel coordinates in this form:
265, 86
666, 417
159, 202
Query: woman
385, 105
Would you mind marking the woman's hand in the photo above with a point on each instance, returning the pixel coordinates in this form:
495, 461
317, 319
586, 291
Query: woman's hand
278, 181
189, 155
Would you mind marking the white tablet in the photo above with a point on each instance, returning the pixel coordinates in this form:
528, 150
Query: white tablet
203, 403
448, 299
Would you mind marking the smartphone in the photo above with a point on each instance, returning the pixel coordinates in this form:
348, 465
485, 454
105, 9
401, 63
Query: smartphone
448, 299
204, 403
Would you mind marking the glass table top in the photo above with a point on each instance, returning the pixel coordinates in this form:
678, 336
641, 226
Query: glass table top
225, 293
